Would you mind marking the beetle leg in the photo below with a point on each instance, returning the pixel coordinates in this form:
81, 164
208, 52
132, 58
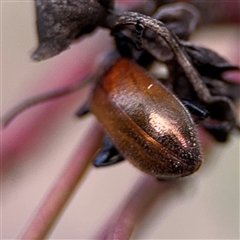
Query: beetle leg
139, 32
123, 44
108, 154
218, 126
197, 111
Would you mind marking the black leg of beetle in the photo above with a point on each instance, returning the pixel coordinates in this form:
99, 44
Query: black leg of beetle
83, 110
108, 154
139, 32
198, 112
123, 44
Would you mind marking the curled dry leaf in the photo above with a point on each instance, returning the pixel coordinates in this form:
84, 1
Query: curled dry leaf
180, 18
207, 62
60, 22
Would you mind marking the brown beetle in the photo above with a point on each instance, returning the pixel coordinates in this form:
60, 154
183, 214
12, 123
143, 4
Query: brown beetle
147, 123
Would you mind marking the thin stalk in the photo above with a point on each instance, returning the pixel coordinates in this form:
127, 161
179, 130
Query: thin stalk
41, 98
65, 185
142, 197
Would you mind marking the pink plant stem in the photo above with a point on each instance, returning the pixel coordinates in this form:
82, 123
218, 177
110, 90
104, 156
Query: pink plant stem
148, 191
142, 197
33, 101
30, 128
63, 188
